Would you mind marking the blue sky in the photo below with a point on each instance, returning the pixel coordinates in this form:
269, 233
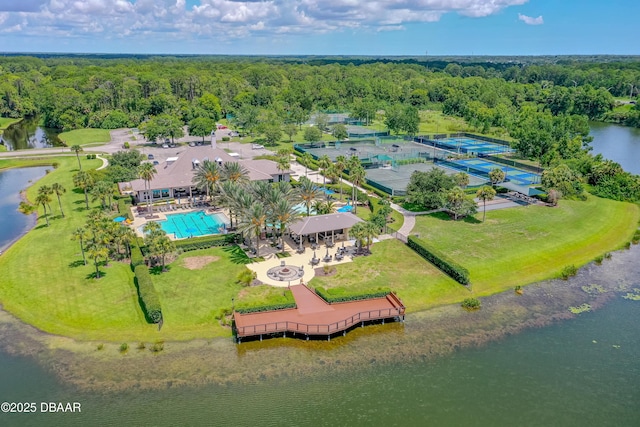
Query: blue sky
321, 27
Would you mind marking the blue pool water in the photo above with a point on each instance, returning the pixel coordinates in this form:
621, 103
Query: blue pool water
346, 208
192, 224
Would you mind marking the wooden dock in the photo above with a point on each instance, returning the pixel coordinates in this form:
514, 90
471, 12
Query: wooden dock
313, 316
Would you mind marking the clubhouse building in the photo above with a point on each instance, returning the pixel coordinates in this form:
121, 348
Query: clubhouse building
174, 178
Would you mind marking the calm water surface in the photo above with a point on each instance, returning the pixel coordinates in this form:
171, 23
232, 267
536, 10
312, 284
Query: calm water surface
27, 134
618, 143
583, 371
13, 223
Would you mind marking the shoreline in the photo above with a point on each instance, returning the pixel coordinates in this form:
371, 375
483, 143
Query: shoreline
424, 335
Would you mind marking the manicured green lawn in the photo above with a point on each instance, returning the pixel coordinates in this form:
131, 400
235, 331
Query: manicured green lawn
392, 264
85, 137
192, 298
364, 213
44, 283
518, 246
5, 122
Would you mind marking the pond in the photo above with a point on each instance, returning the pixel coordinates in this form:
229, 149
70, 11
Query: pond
27, 134
14, 223
618, 143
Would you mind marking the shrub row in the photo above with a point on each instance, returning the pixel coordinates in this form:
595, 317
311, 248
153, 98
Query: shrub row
342, 295
446, 265
91, 156
147, 295
123, 207
265, 307
206, 242
137, 258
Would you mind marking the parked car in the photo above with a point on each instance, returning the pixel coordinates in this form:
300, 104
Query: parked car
257, 146
150, 157
156, 163
233, 133
222, 127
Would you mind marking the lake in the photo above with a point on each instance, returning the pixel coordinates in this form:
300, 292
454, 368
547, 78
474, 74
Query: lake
618, 143
552, 368
14, 223
27, 134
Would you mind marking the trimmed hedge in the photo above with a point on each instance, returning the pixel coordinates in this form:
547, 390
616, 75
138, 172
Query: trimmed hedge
147, 295
266, 307
343, 295
206, 242
137, 258
123, 207
446, 265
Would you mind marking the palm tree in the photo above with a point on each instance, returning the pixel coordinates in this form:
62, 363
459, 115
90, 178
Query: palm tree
340, 164
462, 179
97, 252
43, 199
77, 149
357, 176
369, 231
81, 235
496, 176
45, 189
284, 213
102, 191
324, 162
83, 180
207, 177
324, 207
358, 233
306, 161
146, 172
228, 195
307, 193
283, 163
58, 190
235, 172
485, 193
254, 220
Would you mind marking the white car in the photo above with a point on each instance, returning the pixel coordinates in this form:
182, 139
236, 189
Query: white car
257, 146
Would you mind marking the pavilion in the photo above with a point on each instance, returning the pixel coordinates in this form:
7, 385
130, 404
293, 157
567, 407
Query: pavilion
334, 224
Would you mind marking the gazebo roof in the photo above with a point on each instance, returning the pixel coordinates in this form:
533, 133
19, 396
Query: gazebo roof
323, 223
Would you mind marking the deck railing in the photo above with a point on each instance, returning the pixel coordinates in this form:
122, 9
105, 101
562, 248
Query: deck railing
327, 329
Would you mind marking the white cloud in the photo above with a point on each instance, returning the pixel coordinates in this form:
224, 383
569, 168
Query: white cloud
223, 20
529, 20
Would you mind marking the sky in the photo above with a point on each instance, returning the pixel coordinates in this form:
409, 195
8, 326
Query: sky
322, 27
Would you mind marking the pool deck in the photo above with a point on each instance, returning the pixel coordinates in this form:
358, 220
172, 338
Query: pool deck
140, 219
313, 316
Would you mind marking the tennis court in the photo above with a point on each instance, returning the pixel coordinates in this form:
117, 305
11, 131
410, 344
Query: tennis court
467, 145
377, 151
395, 180
515, 175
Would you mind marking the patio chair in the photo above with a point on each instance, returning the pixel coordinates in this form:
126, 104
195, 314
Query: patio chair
315, 261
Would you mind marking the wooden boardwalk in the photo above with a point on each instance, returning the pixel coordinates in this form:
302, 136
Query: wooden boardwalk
313, 316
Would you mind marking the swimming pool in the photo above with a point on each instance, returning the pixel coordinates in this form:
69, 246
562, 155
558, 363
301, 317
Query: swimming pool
192, 224
346, 208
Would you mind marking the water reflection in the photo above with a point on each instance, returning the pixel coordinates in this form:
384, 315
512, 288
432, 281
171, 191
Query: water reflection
26, 134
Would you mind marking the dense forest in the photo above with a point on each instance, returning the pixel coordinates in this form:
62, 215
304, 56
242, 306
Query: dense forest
544, 104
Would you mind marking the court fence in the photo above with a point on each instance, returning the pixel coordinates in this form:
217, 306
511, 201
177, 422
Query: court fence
512, 163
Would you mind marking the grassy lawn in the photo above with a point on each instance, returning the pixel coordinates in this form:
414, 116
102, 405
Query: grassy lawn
5, 122
364, 213
263, 295
85, 137
524, 245
392, 264
44, 283
192, 298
